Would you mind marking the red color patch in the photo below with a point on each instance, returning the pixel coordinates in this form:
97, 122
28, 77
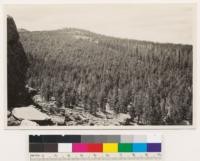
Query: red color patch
95, 147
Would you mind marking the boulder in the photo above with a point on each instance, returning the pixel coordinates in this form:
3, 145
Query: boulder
111, 122
122, 118
83, 122
96, 123
184, 122
8, 113
70, 123
53, 99
80, 118
28, 123
68, 111
13, 121
59, 120
69, 118
109, 116
100, 114
29, 113
109, 112
133, 123
37, 99
78, 108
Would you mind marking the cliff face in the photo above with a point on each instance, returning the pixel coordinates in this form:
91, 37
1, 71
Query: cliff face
17, 65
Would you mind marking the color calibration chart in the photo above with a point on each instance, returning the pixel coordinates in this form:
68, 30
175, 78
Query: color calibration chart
95, 147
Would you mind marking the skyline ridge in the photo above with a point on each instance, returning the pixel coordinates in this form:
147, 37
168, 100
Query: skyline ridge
101, 34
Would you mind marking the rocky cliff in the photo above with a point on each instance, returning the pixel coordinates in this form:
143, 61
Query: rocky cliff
17, 65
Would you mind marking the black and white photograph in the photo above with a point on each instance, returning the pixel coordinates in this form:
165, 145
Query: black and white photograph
100, 65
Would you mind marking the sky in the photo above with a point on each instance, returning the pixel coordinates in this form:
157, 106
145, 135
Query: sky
173, 23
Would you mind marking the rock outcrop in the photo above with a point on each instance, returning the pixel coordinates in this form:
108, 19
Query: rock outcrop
29, 113
46, 113
17, 65
12, 121
28, 123
123, 118
58, 120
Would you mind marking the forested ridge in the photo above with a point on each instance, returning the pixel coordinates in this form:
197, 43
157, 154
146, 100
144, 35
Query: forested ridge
150, 81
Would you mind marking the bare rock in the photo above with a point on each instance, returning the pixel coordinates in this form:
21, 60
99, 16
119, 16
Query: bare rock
109, 116
84, 122
70, 123
13, 121
28, 123
133, 124
52, 99
12, 30
8, 113
59, 120
100, 114
117, 124
184, 122
112, 122
96, 123
78, 108
80, 119
37, 99
122, 118
29, 113
69, 118
62, 111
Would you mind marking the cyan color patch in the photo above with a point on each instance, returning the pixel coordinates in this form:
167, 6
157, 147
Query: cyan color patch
139, 147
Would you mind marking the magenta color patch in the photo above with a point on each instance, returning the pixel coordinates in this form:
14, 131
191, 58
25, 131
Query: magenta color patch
78, 147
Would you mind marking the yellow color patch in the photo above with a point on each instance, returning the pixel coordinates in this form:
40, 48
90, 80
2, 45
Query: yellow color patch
110, 147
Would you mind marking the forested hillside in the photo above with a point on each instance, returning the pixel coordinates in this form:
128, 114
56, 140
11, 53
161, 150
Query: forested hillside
150, 81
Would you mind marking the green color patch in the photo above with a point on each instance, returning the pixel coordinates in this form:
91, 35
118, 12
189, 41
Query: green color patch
124, 147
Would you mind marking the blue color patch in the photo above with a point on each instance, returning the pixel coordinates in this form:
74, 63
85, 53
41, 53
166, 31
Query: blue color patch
139, 147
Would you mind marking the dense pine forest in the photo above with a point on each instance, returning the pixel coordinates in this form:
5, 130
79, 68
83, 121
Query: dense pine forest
150, 81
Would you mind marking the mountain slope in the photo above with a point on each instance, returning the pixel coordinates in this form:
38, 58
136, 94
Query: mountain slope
150, 81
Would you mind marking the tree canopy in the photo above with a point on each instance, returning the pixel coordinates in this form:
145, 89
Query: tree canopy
151, 81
